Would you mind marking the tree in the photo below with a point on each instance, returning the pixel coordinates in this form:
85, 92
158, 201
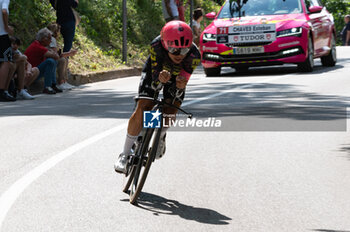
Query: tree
338, 8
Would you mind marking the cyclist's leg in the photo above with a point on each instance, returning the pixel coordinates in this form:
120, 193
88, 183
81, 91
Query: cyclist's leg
169, 114
135, 121
135, 124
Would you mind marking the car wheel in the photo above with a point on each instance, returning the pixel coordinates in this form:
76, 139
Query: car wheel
211, 72
331, 59
308, 64
241, 69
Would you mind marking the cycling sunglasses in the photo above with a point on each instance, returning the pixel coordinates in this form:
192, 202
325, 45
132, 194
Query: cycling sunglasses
178, 51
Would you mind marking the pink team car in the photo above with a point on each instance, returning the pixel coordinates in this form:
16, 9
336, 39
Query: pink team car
248, 33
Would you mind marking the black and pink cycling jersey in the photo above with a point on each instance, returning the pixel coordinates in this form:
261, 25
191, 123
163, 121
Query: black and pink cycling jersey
158, 61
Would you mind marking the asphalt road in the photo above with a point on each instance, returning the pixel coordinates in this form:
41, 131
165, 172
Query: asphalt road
279, 162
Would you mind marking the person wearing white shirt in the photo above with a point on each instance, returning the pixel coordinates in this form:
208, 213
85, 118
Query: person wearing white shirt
5, 51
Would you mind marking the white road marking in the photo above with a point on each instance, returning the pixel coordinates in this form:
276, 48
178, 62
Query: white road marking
8, 198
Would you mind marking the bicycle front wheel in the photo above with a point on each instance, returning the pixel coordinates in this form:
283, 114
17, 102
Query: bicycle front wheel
147, 157
129, 180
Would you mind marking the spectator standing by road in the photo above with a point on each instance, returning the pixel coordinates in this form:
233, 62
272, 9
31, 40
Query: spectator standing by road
5, 51
66, 19
346, 31
62, 63
197, 19
181, 9
170, 10
45, 59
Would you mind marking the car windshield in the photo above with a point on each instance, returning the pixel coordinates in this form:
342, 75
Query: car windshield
242, 8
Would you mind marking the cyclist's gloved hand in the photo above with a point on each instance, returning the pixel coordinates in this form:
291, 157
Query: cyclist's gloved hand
181, 82
164, 76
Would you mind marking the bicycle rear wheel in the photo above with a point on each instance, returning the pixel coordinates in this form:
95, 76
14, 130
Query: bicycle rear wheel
142, 169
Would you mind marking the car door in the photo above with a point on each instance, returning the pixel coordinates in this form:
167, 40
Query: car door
327, 22
315, 19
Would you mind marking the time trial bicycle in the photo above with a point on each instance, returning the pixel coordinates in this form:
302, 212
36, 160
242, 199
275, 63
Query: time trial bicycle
145, 148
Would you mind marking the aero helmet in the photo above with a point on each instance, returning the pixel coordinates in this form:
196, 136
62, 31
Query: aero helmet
176, 35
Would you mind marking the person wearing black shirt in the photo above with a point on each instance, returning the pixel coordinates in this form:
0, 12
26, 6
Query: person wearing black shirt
66, 19
346, 31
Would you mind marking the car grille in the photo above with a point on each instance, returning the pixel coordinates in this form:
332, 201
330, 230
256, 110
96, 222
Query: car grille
247, 56
250, 57
247, 44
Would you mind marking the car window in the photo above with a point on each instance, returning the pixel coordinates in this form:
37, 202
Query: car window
315, 3
232, 9
308, 4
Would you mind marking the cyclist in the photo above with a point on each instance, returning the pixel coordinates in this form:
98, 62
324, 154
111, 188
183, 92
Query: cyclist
173, 57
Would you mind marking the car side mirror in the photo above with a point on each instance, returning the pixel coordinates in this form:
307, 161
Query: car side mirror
210, 15
315, 9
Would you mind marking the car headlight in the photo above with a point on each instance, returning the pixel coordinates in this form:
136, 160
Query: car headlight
290, 32
209, 37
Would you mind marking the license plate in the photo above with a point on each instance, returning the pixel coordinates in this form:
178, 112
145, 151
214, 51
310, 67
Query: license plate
248, 50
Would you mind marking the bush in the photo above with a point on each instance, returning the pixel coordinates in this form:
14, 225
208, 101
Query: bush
338, 8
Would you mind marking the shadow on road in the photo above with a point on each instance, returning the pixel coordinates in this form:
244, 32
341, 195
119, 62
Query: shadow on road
279, 70
263, 100
273, 101
325, 230
346, 149
271, 107
85, 104
160, 205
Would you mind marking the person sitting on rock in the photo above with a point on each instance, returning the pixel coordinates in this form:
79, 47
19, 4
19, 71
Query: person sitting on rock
22, 70
46, 60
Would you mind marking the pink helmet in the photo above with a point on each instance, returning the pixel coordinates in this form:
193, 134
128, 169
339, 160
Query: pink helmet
176, 34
